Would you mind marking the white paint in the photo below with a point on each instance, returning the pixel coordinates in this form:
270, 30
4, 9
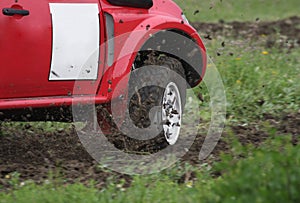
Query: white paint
75, 46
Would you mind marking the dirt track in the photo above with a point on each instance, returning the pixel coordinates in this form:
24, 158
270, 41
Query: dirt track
282, 33
35, 156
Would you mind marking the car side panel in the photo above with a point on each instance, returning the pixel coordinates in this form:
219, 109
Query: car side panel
26, 53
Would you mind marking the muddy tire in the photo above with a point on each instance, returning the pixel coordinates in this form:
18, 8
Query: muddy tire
154, 110
160, 104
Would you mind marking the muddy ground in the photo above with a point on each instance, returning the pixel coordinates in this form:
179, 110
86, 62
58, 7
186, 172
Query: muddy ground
43, 156
40, 157
284, 33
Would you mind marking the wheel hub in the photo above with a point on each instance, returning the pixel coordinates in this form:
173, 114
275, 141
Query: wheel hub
171, 113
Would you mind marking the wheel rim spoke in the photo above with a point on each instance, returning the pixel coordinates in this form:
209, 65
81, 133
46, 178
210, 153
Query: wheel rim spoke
171, 113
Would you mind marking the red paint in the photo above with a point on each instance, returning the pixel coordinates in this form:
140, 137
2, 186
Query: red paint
25, 53
26, 47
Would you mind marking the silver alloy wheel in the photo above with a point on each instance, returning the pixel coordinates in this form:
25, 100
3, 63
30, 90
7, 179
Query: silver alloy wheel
171, 113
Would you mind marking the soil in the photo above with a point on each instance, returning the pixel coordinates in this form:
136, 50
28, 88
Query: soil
44, 156
282, 33
40, 157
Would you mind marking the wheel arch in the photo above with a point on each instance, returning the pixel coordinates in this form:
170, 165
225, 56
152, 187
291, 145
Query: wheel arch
148, 35
189, 53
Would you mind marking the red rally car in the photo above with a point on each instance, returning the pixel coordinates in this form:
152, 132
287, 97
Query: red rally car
55, 54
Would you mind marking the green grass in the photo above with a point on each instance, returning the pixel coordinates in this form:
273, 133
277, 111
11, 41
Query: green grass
268, 174
241, 10
7, 128
257, 81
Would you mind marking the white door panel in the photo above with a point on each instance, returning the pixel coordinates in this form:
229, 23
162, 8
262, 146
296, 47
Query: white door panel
75, 43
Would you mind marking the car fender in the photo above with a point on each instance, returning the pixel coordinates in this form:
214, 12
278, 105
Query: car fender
128, 44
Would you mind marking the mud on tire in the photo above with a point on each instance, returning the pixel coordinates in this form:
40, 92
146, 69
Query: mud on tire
145, 104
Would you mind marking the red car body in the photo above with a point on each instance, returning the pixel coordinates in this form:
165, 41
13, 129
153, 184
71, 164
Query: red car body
36, 37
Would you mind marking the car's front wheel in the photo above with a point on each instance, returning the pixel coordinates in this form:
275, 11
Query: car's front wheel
161, 103
156, 99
